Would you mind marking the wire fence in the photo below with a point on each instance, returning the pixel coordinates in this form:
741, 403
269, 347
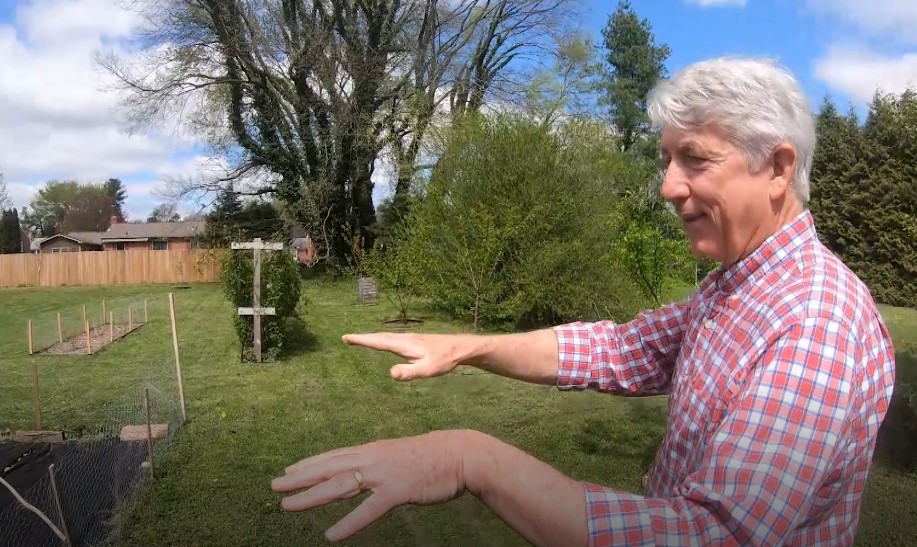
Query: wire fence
72, 487
87, 329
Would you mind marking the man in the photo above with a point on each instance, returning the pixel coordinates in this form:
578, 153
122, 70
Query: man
779, 368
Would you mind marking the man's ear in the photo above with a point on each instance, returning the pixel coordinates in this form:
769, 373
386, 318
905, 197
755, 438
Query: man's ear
783, 170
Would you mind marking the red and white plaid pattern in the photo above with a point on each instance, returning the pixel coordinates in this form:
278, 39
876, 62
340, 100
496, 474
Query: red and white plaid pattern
779, 372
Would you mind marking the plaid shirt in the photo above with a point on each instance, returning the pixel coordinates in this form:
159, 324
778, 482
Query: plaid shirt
779, 371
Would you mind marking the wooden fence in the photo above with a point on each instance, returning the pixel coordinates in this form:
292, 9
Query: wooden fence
134, 267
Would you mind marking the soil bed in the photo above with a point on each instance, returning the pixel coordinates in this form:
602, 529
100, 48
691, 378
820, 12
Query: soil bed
96, 477
100, 336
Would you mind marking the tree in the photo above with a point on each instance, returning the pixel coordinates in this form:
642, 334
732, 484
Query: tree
10, 236
515, 225
863, 196
68, 206
5, 201
566, 87
165, 212
636, 64
118, 194
302, 96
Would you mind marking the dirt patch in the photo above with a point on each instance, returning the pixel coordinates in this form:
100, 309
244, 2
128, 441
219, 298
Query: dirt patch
100, 337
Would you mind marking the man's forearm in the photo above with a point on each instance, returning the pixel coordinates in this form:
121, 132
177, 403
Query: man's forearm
528, 356
544, 506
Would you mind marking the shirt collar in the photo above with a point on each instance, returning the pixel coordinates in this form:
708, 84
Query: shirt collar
769, 254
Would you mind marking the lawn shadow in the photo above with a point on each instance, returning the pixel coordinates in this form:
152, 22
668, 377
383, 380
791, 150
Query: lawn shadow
299, 339
896, 446
635, 437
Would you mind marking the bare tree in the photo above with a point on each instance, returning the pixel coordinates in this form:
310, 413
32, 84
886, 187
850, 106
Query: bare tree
5, 201
299, 97
463, 54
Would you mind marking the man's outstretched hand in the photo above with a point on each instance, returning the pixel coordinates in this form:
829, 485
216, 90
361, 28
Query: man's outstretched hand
421, 470
426, 355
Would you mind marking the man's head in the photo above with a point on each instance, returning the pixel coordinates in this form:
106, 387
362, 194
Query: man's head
738, 138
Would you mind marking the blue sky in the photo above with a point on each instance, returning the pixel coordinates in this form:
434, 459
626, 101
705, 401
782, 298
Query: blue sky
59, 123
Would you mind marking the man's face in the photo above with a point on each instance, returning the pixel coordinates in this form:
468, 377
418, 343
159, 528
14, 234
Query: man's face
722, 205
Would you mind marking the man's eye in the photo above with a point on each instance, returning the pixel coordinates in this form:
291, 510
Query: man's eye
695, 160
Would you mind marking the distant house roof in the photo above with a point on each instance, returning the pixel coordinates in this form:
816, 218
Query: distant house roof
154, 230
82, 238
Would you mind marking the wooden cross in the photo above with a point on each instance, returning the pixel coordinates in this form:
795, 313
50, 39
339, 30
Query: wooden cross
256, 310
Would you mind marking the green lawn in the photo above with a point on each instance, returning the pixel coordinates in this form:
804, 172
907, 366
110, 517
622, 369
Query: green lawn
247, 422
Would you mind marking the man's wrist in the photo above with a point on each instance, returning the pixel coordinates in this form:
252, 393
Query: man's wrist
475, 458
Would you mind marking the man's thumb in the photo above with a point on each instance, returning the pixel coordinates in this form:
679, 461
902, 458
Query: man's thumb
409, 371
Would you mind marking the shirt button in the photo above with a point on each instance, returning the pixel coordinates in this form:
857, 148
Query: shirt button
708, 324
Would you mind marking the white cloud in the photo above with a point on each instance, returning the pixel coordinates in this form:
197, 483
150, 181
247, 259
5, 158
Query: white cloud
717, 3
858, 71
883, 18
58, 122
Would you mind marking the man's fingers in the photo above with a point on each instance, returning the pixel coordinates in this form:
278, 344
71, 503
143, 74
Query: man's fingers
368, 512
316, 469
384, 341
339, 487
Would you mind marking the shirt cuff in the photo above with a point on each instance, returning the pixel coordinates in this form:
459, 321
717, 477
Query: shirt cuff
619, 518
575, 357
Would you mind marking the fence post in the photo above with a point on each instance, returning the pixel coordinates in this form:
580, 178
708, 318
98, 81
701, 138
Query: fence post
146, 313
61, 507
30, 337
111, 326
36, 396
149, 428
181, 381
130, 319
60, 329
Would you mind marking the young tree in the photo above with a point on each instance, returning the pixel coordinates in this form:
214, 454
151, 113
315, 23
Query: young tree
68, 206
165, 212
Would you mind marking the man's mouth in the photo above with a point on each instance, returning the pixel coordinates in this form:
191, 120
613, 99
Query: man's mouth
692, 217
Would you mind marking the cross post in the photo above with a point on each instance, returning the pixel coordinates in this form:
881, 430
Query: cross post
256, 311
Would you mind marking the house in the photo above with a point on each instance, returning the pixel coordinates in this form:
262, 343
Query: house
304, 250
71, 242
156, 236
123, 236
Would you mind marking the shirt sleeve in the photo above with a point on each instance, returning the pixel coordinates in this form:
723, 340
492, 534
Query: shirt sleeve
635, 358
764, 463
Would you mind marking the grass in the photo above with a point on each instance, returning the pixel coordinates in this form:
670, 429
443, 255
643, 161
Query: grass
247, 422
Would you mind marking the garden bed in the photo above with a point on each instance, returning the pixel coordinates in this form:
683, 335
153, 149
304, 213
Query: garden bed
100, 337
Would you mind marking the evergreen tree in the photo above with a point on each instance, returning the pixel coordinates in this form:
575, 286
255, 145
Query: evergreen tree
10, 239
118, 193
636, 65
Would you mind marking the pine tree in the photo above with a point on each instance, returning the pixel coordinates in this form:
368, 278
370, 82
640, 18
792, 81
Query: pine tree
116, 191
636, 65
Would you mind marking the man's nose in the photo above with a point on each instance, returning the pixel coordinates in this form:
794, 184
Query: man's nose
674, 184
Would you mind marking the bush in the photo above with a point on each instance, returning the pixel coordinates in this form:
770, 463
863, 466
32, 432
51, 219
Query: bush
517, 225
281, 288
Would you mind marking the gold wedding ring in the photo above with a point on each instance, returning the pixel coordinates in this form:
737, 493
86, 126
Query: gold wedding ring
359, 477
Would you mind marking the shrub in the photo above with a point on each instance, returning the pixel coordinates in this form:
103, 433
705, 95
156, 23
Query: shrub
517, 226
281, 288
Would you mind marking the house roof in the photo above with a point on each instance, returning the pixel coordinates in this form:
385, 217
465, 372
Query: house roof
90, 238
154, 230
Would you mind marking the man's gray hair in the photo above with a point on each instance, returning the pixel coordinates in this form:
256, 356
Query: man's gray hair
755, 102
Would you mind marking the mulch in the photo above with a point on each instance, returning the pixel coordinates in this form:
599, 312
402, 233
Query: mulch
100, 337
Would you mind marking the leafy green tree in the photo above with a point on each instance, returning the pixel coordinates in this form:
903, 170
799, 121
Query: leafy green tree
516, 227
635, 65
68, 206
